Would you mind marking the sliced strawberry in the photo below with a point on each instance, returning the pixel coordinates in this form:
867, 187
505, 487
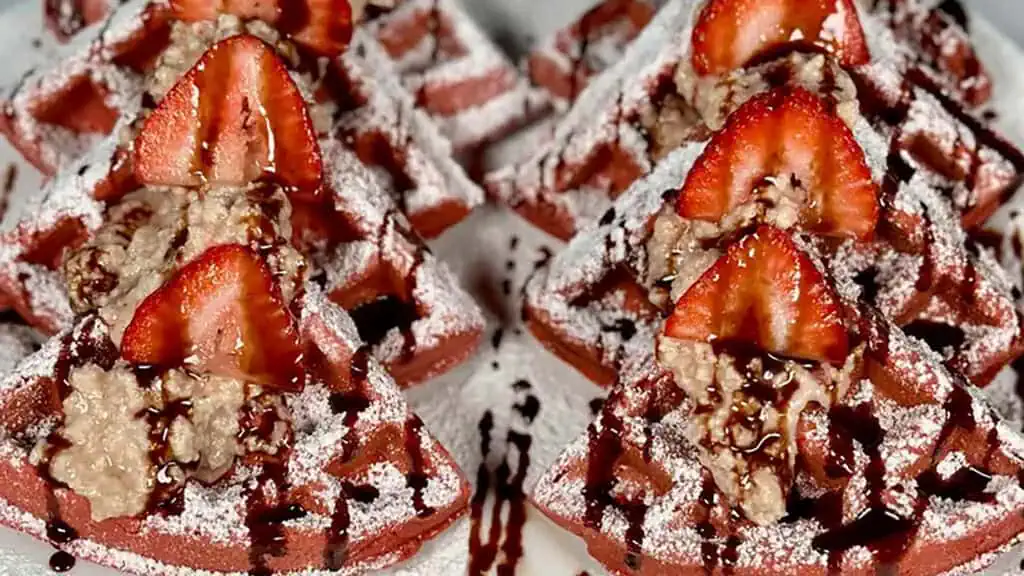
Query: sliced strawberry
234, 118
222, 313
764, 291
322, 26
787, 133
729, 34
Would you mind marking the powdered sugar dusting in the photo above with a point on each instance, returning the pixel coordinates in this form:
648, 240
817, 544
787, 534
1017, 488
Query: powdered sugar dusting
454, 54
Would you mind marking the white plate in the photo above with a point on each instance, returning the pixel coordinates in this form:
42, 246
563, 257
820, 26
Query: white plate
479, 251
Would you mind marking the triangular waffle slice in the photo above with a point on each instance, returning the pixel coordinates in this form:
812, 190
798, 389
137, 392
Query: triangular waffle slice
337, 475
121, 66
333, 222
600, 301
938, 32
455, 71
378, 118
787, 429
682, 76
564, 63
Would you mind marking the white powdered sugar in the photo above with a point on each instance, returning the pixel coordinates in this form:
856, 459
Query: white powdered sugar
217, 513
455, 54
668, 533
390, 112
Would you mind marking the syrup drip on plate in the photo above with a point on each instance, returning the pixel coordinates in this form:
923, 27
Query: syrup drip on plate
482, 554
508, 490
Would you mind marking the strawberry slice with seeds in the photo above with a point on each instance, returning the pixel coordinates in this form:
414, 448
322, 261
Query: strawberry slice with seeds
322, 26
234, 118
223, 314
788, 135
730, 34
764, 291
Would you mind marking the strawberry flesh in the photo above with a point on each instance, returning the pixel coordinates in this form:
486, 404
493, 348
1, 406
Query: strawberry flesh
234, 118
222, 314
322, 26
788, 134
766, 292
730, 34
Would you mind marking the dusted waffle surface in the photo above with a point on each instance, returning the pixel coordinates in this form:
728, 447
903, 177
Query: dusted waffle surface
564, 396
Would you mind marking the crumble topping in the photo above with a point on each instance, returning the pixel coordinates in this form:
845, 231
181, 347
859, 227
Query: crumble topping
113, 424
208, 437
153, 231
107, 461
677, 254
671, 125
715, 98
745, 416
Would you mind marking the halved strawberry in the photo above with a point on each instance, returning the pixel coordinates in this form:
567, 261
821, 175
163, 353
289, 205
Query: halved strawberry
729, 34
234, 118
222, 313
788, 133
764, 291
322, 26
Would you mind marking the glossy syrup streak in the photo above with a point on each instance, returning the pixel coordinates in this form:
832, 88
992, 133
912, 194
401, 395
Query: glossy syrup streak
886, 532
606, 446
267, 505
508, 491
351, 403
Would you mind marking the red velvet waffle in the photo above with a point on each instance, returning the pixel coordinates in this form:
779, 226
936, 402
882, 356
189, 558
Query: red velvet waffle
665, 91
404, 300
457, 74
360, 246
908, 471
939, 34
53, 116
340, 499
600, 301
564, 64
209, 408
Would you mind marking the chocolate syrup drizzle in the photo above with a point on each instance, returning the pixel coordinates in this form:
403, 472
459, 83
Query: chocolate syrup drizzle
10, 177
605, 448
375, 320
352, 403
508, 490
77, 349
578, 68
267, 504
888, 533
